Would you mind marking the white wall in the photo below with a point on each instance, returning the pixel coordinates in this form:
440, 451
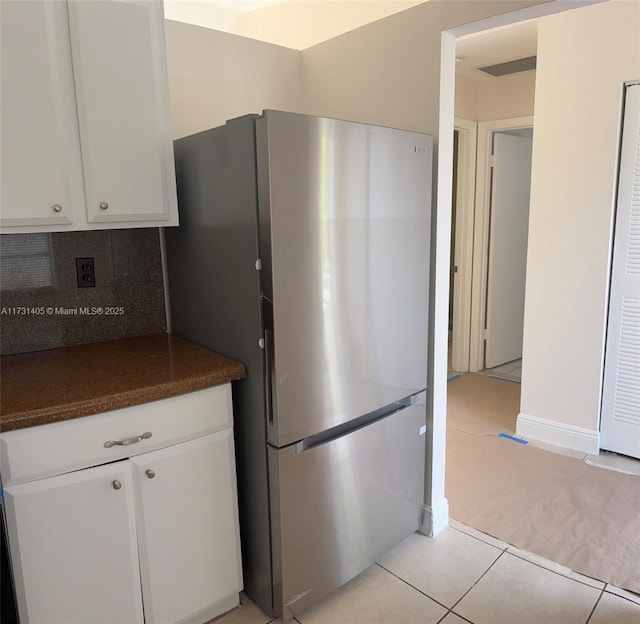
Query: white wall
466, 98
215, 76
584, 57
507, 96
495, 98
388, 72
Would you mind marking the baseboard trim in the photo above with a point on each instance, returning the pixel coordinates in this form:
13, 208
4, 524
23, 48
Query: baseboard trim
435, 518
558, 434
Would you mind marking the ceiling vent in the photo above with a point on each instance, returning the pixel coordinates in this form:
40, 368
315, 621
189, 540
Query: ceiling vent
510, 67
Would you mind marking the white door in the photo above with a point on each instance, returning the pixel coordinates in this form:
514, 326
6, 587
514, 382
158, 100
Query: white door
620, 421
508, 231
187, 527
41, 170
73, 547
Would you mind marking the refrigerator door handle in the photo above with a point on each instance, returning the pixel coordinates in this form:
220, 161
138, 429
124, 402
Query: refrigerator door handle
268, 365
331, 435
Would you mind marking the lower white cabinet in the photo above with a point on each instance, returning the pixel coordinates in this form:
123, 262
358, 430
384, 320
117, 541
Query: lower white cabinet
187, 528
153, 538
73, 546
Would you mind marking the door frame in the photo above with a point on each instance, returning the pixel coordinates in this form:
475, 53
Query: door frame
463, 236
436, 507
486, 130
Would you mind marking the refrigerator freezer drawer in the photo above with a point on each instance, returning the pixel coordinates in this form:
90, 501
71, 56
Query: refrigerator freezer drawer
339, 506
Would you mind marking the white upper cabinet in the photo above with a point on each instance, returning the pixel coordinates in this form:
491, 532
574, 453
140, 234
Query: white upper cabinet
120, 75
41, 169
86, 140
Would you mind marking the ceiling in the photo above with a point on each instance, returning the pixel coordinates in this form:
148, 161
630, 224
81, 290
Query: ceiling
299, 24
243, 6
296, 24
498, 45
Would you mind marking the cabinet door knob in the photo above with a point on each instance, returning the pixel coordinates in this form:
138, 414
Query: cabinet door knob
150, 473
57, 208
116, 484
103, 205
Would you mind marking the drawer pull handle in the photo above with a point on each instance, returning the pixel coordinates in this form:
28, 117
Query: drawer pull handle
150, 473
127, 441
116, 484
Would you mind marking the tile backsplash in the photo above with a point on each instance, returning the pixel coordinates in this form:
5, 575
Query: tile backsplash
42, 306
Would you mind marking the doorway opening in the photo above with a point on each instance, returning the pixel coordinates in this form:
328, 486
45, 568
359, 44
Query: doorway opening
437, 411
488, 255
490, 225
500, 245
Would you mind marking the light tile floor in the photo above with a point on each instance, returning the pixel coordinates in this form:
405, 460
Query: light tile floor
463, 576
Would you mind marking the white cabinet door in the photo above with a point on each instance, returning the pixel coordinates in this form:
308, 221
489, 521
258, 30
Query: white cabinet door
187, 527
41, 170
73, 547
119, 67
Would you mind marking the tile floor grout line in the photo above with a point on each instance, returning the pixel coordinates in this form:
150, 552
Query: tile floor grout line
631, 600
595, 606
556, 572
444, 617
461, 616
481, 540
477, 580
534, 563
412, 586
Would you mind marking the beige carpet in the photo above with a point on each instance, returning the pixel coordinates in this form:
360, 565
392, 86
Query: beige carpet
583, 517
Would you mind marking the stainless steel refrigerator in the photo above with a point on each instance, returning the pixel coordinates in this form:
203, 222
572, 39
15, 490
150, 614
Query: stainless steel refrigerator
303, 252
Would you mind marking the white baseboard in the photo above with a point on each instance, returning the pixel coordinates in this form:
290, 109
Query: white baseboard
558, 434
435, 518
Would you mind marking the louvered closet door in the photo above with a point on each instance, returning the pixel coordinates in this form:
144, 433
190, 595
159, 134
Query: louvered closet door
620, 423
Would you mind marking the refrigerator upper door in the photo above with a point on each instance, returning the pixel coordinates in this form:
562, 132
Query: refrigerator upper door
344, 241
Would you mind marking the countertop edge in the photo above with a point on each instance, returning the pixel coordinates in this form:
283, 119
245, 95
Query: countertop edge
121, 400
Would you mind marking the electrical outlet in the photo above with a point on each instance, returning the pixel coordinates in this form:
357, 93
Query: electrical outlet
85, 272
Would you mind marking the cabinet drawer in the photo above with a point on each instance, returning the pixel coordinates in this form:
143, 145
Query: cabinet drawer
56, 448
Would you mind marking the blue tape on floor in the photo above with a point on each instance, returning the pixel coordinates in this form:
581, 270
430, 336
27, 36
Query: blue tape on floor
506, 436
453, 378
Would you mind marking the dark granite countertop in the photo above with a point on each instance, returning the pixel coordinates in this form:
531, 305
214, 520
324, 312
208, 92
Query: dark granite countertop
62, 384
